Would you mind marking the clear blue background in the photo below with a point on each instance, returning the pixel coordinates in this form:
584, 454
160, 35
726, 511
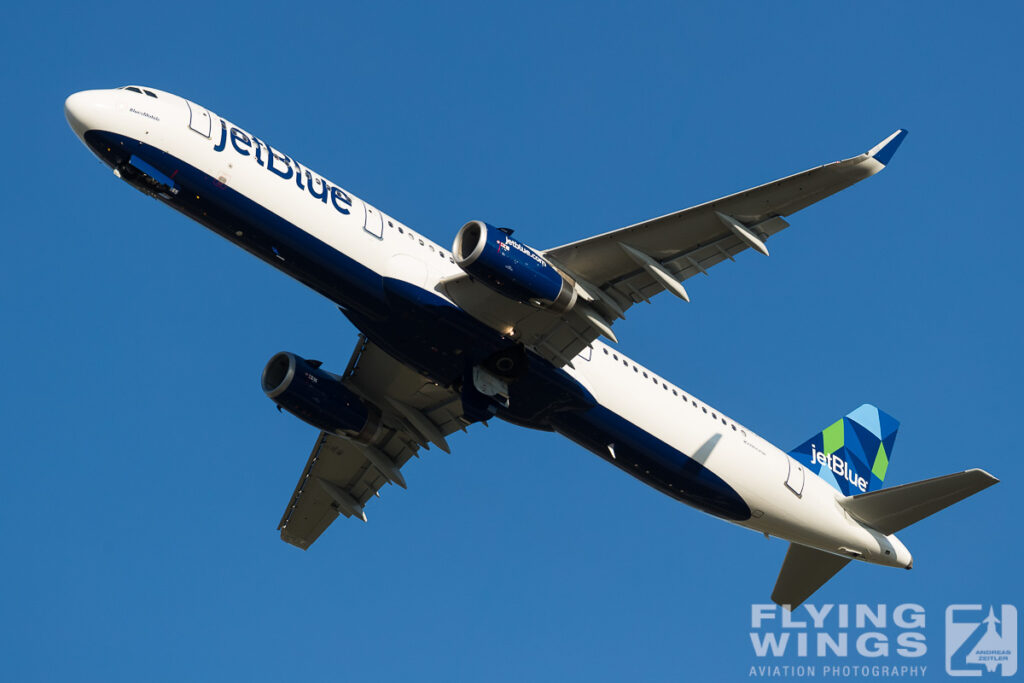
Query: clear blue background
144, 472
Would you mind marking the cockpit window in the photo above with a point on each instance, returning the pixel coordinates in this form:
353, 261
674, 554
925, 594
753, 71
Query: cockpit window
135, 88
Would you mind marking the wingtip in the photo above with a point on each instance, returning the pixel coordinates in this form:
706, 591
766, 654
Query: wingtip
991, 479
884, 150
783, 602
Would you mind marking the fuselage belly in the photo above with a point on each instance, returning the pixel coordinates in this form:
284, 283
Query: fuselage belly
384, 277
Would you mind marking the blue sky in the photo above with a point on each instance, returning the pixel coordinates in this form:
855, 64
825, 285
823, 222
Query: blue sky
144, 472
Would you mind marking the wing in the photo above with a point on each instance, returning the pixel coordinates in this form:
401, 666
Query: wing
620, 268
341, 475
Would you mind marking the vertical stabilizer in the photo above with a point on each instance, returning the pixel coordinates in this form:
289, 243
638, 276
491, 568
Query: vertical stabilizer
853, 453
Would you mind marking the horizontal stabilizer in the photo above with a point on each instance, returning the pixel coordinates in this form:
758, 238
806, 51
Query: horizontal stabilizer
892, 509
804, 571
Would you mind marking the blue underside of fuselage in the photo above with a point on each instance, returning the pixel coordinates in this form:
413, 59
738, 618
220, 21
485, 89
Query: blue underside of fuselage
426, 331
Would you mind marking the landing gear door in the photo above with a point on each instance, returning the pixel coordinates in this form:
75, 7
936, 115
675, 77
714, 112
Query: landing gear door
795, 479
199, 119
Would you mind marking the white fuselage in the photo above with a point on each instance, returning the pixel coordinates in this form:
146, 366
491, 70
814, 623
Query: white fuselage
784, 499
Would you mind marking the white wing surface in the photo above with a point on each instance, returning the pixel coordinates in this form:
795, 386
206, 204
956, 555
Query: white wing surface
342, 475
617, 269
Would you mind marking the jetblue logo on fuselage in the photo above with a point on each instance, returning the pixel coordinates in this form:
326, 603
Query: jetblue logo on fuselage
282, 166
839, 467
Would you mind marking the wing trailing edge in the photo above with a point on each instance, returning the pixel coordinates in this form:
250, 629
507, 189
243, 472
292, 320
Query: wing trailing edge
804, 571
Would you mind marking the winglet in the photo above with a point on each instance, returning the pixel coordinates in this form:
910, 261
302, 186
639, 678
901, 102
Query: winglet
883, 151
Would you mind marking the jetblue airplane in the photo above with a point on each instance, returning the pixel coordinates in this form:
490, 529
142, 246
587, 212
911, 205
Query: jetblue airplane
496, 328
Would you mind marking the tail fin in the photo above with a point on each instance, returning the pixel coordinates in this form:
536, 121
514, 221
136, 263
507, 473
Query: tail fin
805, 570
890, 510
852, 453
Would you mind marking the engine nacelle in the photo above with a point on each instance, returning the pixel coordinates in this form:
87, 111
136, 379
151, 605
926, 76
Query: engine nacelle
511, 268
319, 398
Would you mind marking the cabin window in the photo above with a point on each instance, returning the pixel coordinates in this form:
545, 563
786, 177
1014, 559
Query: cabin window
645, 375
705, 410
390, 224
400, 231
734, 428
713, 416
675, 393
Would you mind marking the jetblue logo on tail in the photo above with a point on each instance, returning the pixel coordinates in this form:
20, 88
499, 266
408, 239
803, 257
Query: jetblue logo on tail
853, 453
839, 467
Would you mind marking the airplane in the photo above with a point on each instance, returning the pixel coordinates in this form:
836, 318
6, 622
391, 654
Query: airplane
495, 328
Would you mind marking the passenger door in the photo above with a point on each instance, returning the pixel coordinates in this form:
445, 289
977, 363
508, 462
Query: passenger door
795, 478
374, 221
199, 119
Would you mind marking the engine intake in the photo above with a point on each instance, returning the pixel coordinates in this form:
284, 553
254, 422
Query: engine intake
511, 268
319, 398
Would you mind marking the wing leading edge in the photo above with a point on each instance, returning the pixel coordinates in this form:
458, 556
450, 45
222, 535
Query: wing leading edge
617, 269
688, 242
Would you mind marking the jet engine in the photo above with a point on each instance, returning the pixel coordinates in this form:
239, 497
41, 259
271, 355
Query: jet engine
511, 268
319, 398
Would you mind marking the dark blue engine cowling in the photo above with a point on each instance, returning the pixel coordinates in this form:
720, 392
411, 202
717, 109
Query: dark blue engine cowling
511, 268
318, 397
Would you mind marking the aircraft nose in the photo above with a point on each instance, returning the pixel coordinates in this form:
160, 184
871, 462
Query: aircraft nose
85, 110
